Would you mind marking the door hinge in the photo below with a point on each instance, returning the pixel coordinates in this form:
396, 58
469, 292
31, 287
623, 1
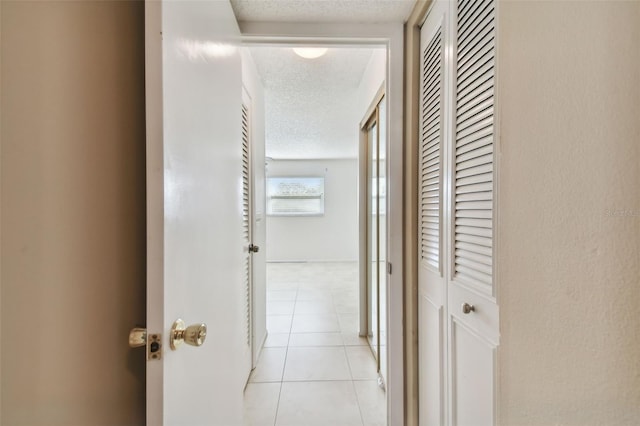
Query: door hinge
389, 268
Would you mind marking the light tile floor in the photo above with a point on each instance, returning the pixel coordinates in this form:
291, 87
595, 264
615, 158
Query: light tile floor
314, 368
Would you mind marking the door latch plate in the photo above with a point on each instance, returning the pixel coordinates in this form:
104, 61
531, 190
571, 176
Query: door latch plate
154, 347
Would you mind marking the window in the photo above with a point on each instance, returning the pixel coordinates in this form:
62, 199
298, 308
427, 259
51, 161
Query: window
295, 196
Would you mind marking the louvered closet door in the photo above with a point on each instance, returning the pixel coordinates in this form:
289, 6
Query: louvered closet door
246, 232
473, 311
431, 279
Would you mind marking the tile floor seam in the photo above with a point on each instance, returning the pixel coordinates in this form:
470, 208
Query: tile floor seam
353, 385
286, 354
275, 417
284, 366
358, 400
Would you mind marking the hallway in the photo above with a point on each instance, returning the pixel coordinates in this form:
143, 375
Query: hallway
314, 368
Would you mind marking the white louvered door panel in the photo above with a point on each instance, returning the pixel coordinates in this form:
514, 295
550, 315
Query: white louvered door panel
246, 222
246, 230
431, 121
473, 334
474, 139
432, 285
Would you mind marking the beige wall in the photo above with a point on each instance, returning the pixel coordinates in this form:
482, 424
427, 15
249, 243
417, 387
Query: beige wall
73, 212
569, 216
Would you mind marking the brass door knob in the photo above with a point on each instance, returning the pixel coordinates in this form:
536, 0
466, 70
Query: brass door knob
253, 248
467, 308
193, 335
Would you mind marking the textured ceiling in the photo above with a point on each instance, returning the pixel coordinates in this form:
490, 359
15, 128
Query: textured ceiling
310, 104
356, 11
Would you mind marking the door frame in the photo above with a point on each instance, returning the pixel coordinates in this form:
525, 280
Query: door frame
392, 37
369, 117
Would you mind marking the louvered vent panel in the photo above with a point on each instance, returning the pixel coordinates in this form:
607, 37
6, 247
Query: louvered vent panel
430, 150
474, 142
245, 218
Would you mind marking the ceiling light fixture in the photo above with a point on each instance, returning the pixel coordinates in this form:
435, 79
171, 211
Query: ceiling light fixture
310, 52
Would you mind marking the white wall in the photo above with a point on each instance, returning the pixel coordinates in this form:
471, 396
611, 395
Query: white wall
331, 237
372, 80
569, 215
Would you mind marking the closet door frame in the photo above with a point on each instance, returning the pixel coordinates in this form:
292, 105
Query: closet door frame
371, 118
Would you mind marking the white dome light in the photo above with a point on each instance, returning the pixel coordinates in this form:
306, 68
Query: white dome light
310, 52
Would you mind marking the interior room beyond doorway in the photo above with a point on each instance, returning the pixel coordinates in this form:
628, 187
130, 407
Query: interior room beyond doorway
316, 366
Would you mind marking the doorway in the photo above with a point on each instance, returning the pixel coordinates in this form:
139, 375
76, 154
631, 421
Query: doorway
313, 346
390, 36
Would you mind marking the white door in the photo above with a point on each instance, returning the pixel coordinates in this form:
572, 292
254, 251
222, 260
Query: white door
473, 308
247, 234
432, 284
194, 189
458, 311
